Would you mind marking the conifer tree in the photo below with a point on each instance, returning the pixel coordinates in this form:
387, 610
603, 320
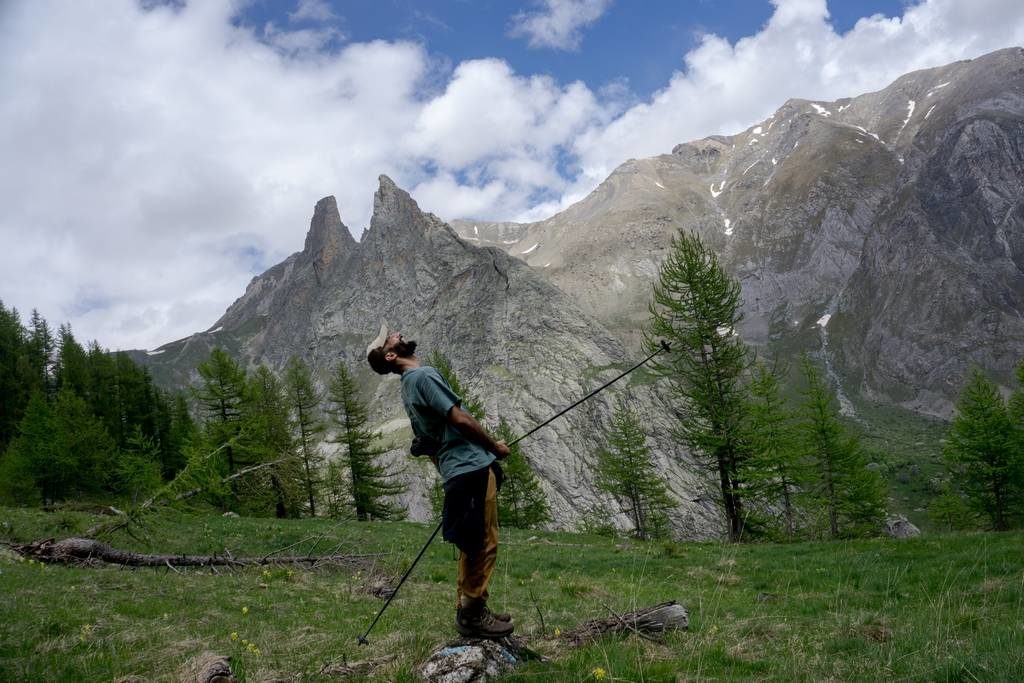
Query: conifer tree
521, 501
370, 483
34, 469
625, 470
696, 307
852, 496
983, 451
304, 401
83, 446
221, 398
182, 431
15, 381
41, 355
268, 438
775, 469
71, 370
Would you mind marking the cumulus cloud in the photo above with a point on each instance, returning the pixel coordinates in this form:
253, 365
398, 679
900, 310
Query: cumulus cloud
558, 24
157, 158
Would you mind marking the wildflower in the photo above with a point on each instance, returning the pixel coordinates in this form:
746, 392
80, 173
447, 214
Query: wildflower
245, 610
558, 633
291, 572
234, 635
714, 628
266, 573
245, 642
598, 673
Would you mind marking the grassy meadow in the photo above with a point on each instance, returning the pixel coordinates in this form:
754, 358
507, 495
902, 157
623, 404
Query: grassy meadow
939, 607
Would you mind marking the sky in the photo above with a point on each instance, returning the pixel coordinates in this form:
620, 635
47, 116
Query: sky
158, 154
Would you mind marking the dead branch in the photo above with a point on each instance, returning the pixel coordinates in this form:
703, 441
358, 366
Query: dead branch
86, 551
660, 618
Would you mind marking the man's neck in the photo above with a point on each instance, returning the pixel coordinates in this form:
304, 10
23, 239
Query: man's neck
410, 363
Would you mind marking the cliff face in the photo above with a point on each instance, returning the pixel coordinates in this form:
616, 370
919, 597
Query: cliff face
881, 231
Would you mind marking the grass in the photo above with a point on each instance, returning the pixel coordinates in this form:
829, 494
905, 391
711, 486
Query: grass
942, 607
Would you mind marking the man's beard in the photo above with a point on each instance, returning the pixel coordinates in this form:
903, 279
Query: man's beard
405, 349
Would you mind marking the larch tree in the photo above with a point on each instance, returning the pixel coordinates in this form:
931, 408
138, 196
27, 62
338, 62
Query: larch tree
852, 496
625, 470
696, 307
370, 484
983, 452
304, 401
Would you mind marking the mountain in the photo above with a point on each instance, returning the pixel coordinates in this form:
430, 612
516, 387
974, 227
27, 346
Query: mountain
881, 233
884, 232
522, 346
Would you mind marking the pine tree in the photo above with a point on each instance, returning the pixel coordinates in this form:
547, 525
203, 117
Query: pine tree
86, 453
137, 473
983, 452
521, 501
852, 496
625, 470
696, 307
304, 401
33, 468
774, 470
182, 431
268, 437
369, 482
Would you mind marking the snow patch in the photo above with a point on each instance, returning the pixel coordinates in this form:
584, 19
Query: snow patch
910, 112
867, 132
929, 112
721, 187
726, 331
842, 107
509, 241
750, 167
728, 226
218, 329
823, 320
530, 249
775, 162
821, 110
547, 264
757, 131
475, 230
659, 184
155, 353
940, 86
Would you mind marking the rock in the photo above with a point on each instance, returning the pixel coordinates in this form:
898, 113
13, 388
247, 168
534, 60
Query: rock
473, 659
233, 515
208, 668
899, 526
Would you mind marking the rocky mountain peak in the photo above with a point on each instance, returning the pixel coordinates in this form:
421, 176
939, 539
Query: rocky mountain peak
327, 236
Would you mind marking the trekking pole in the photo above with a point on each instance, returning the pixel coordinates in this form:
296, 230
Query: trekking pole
663, 347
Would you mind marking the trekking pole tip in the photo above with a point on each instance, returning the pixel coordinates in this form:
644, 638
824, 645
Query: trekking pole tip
664, 346
362, 640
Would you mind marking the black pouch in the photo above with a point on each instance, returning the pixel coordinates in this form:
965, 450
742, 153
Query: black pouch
424, 445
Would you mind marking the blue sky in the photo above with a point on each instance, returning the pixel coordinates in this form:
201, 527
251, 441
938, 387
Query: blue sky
159, 154
641, 41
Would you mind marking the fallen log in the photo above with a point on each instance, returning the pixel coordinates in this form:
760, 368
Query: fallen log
645, 622
208, 668
89, 551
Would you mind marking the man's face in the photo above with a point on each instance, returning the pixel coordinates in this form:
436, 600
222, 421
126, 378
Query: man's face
397, 345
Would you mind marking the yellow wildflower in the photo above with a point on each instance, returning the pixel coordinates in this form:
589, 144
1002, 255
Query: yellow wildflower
599, 673
558, 633
266, 572
234, 635
245, 610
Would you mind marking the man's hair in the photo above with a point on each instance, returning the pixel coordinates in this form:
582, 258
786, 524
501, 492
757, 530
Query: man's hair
375, 357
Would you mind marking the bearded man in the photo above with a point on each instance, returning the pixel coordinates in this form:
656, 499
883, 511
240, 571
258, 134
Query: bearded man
465, 455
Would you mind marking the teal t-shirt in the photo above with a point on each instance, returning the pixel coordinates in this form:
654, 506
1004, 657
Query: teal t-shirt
428, 398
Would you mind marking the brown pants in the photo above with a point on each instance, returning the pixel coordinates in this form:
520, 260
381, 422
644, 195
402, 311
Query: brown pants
475, 569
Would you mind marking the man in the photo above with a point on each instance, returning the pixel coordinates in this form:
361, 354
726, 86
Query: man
464, 454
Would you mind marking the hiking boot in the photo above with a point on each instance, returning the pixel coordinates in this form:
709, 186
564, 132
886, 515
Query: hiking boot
499, 616
481, 623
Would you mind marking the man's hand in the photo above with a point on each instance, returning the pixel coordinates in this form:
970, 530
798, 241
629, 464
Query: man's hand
501, 450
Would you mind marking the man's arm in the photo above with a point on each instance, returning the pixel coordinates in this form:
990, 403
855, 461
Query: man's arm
471, 429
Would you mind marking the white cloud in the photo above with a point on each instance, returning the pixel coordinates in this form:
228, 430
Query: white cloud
558, 24
312, 10
156, 159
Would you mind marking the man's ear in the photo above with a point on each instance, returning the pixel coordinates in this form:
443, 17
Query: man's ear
390, 356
